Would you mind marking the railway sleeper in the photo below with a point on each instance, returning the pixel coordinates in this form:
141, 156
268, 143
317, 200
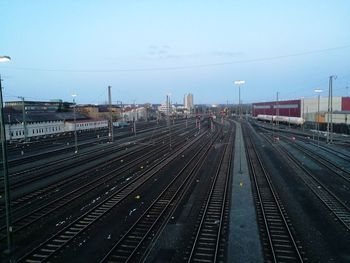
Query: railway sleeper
205, 255
202, 260
283, 245
204, 244
205, 248
285, 251
285, 257
131, 237
207, 239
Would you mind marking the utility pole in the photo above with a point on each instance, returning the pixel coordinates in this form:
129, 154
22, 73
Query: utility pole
133, 117
330, 110
227, 112
9, 120
167, 104
111, 135
167, 110
24, 119
5, 176
239, 102
289, 118
277, 109
318, 91
303, 117
75, 125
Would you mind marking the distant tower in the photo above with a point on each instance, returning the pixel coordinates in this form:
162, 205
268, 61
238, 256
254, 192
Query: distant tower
188, 102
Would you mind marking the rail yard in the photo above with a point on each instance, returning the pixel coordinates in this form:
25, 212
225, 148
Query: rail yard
165, 194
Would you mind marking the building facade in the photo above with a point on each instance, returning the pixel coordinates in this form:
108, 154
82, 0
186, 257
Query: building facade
188, 102
310, 109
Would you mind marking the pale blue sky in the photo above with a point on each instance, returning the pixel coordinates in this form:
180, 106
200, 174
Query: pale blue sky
146, 49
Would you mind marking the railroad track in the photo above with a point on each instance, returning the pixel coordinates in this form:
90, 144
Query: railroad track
302, 137
342, 155
207, 245
137, 240
279, 243
52, 171
48, 169
59, 240
30, 198
23, 222
336, 169
67, 149
338, 208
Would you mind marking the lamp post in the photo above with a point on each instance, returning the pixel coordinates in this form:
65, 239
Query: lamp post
75, 125
239, 83
169, 111
5, 168
318, 91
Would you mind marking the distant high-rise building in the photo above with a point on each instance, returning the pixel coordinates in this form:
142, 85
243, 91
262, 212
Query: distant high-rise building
188, 102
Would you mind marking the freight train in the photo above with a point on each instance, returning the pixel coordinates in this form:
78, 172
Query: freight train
281, 119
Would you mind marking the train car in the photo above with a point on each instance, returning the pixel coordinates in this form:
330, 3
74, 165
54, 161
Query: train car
48, 128
289, 120
82, 125
262, 117
15, 131
281, 119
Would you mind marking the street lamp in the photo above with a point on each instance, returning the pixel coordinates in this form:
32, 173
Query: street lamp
239, 83
318, 91
5, 168
75, 125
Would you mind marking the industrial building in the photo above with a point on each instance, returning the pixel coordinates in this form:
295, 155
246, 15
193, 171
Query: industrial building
38, 106
311, 109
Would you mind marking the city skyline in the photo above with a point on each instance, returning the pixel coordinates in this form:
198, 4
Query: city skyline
147, 51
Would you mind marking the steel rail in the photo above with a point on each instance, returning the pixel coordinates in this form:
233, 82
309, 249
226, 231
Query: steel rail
51, 246
136, 235
281, 241
339, 209
50, 207
34, 194
211, 221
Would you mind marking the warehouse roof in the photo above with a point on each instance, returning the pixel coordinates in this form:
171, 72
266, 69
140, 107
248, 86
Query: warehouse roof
16, 117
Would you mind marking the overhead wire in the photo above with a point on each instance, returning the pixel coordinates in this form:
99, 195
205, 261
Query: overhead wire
263, 59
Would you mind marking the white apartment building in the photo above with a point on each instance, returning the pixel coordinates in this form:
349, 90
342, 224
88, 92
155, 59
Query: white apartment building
188, 102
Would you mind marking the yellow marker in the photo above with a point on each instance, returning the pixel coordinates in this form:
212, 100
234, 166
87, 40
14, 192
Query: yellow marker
241, 184
121, 161
137, 197
141, 167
